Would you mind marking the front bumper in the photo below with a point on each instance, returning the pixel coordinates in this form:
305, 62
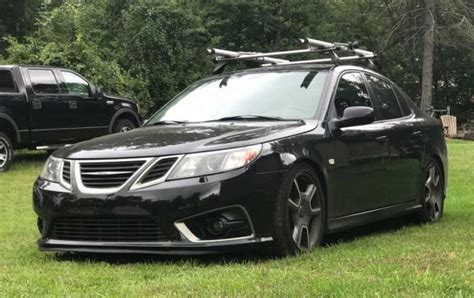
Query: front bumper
167, 204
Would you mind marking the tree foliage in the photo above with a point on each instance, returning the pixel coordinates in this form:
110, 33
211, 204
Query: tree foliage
151, 50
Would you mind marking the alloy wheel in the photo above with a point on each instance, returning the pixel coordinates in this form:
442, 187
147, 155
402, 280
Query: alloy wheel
433, 192
304, 206
3, 153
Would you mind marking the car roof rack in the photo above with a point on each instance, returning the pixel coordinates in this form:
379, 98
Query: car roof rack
224, 57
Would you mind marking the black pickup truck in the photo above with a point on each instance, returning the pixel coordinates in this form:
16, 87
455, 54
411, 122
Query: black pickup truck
48, 107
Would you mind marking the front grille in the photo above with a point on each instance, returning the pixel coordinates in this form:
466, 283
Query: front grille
67, 172
108, 174
107, 229
159, 169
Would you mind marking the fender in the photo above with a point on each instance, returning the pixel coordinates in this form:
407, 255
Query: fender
121, 112
12, 122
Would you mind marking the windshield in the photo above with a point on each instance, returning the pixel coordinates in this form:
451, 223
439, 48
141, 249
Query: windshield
280, 95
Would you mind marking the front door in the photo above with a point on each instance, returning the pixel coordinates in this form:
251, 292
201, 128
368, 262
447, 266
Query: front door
50, 113
90, 115
360, 154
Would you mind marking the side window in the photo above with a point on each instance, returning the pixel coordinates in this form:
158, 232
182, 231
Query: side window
75, 85
6, 82
402, 99
351, 92
43, 81
385, 98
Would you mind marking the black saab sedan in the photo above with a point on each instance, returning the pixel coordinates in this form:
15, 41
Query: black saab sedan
276, 156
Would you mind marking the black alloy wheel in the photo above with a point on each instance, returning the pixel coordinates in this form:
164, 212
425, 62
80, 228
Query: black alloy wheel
433, 193
299, 219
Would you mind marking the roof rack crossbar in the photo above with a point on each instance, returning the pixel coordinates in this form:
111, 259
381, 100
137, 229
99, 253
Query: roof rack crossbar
223, 57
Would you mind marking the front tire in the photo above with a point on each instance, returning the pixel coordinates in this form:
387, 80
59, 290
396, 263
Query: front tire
6, 152
123, 125
433, 194
299, 218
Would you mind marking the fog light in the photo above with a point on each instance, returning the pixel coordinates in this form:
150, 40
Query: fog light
217, 226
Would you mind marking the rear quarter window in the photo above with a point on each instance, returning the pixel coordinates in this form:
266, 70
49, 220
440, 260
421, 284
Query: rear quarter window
7, 85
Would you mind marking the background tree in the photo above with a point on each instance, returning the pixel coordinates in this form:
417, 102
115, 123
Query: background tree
150, 50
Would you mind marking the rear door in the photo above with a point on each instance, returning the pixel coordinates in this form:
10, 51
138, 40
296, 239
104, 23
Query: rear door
50, 113
361, 153
89, 115
405, 140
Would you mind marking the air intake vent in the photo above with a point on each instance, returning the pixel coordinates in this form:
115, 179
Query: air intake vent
159, 169
108, 174
67, 172
109, 229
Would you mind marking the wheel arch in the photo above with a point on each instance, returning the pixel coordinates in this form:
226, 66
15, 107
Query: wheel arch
319, 171
9, 127
125, 113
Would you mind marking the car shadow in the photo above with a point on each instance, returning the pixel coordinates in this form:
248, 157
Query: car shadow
30, 156
243, 256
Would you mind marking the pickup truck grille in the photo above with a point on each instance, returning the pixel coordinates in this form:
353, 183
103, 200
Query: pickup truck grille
108, 174
108, 229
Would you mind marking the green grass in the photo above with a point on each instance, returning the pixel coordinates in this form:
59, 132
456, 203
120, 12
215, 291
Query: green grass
395, 258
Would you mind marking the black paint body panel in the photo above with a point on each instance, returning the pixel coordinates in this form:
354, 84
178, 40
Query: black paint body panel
57, 119
368, 172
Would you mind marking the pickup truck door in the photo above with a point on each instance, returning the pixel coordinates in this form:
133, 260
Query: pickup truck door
89, 113
49, 111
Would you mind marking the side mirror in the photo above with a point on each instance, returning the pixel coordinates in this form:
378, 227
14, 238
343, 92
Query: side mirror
354, 116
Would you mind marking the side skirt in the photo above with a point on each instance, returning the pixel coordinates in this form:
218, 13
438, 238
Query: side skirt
362, 218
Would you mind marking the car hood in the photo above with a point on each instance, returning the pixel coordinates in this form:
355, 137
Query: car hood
183, 138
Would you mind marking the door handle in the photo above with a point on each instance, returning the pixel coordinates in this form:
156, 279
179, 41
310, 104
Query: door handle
381, 139
36, 103
73, 104
417, 133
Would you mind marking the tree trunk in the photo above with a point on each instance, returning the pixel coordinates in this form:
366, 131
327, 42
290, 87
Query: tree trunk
428, 47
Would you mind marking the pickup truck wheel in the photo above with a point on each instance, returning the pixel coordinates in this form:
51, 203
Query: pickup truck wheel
123, 125
6, 152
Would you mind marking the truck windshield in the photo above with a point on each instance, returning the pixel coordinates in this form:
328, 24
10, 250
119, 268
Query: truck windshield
277, 95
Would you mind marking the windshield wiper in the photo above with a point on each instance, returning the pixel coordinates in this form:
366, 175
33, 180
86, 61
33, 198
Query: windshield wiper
166, 122
248, 117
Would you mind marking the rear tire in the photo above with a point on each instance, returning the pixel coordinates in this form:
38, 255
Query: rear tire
432, 200
123, 125
299, 218
6, 152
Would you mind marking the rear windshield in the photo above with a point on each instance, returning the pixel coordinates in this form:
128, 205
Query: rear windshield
6, 81
282, 94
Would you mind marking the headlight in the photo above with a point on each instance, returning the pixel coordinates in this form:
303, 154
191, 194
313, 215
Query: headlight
52, 169
201, 164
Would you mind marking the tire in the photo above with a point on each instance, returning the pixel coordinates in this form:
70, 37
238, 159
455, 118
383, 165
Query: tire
123, 125
432, 200
299, 218
6, 152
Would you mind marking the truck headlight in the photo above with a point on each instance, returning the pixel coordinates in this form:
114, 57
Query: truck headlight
52, 169
201, 164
